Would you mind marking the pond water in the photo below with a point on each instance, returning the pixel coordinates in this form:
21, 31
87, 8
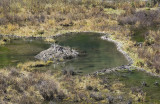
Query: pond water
100, 53
20, 50
134, 79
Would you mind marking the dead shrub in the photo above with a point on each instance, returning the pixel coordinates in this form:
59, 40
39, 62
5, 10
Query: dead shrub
131, 20
49, 90
3, 21
14, 72
145, 18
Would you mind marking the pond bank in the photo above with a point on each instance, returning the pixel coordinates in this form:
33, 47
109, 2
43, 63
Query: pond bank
129, 66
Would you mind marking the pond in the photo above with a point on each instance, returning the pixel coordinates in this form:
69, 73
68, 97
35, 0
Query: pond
100, 53
20, 50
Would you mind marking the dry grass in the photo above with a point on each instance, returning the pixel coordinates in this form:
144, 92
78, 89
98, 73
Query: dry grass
150, 51
43, 18
29, 88
21, 87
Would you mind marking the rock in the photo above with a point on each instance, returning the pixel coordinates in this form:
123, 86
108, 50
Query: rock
137, 90
129, 102
64, 72
56, 52
110, 99
39, 65
69, 72
156, 84
82, 54
139, 100
89, 88
68, 57
96, 90
60, 96
120, 98
97, 97
107, 86
124, 76
144, 84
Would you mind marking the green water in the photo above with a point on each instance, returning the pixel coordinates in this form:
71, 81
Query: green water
20, 50
134, 79
100, 53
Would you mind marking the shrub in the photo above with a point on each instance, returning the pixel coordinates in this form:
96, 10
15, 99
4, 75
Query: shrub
40, 32
150, 51
146, 18
14, 72
3, 21
140, 63
97, 97
29, 88
50, 90
131, 20
15, 7
12, 27
69, 71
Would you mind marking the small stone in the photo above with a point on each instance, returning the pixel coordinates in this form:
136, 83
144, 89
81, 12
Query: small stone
156, 84
89, 88
64, 72
71, 72
129, 102
144, 84
97, 97
110, 99
96, 89
51, 102
120, 98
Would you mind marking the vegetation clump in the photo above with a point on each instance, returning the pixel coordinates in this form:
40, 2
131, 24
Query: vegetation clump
4, 40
